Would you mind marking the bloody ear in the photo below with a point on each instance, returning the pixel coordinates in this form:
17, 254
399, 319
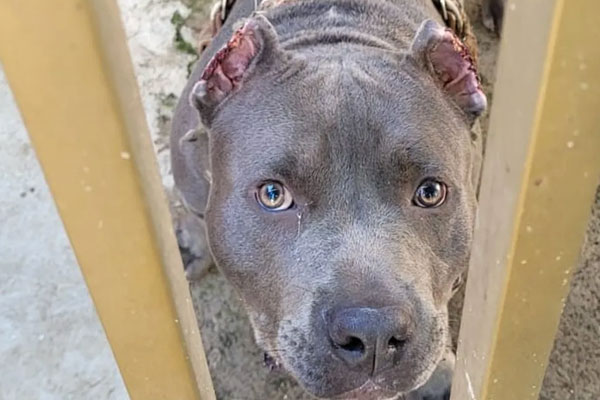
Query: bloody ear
449, 61
254, 41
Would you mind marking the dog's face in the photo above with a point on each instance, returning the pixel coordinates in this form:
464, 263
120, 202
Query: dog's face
341, 207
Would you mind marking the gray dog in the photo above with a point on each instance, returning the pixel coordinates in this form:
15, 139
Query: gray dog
338, 185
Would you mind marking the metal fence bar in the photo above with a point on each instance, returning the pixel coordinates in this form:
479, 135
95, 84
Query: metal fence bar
68, 66
540, 174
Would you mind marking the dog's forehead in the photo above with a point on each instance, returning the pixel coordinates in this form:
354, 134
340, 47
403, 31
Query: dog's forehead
347, 107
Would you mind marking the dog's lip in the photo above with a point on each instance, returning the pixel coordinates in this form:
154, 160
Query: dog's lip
367, 391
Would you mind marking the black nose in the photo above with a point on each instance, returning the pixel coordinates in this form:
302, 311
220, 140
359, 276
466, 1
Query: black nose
369, 339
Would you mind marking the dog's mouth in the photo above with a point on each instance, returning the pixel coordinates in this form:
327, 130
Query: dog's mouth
376, 368
367, 391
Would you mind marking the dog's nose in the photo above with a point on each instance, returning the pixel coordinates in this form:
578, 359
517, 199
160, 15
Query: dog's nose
369, 338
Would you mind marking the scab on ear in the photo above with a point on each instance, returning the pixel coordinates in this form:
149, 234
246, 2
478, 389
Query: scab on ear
449, 61
253, 44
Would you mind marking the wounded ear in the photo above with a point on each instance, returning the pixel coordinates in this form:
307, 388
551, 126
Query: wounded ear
440, 51
253, 43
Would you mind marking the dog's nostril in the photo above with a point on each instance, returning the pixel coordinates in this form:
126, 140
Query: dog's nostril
353, 344
395, 344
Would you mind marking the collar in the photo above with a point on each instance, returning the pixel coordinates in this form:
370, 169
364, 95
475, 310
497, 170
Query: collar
454, 16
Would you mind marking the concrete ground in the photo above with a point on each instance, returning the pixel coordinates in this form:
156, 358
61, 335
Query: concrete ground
51, 342
52, 346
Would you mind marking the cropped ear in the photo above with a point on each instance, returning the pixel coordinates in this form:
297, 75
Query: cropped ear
254, 43
449, 61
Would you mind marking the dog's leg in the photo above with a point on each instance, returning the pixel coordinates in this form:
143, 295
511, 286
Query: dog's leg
191, 237
192, 170
438, 386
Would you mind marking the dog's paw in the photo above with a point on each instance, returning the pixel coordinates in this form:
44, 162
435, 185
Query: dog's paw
493, 14
439, 385
193, 246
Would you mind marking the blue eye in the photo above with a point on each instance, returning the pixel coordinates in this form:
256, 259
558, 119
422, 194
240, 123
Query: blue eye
274, 197
273, 193
430, 194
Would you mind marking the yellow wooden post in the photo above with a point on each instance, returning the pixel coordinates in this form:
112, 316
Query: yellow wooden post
540, 174
68, 66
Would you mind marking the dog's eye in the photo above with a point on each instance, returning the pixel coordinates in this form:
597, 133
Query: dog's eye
273, 196
430, 193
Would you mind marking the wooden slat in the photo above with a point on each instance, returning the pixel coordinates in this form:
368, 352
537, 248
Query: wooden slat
540, 174
68, 66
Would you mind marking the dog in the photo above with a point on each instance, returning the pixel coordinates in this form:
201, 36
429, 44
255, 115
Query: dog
328, 154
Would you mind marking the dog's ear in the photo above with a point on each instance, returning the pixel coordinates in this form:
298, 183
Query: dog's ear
251, 46
449, 61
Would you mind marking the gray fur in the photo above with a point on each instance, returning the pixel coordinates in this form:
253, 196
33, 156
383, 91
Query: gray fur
493, 14
340, 109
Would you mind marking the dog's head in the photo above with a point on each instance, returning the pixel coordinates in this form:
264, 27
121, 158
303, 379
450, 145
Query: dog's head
343, 199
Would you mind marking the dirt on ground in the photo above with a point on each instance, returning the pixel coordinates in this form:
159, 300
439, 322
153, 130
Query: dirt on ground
235, 362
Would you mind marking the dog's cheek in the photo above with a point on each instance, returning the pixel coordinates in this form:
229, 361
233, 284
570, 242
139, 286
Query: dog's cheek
242, 251
452, 251
435, 346
263, 327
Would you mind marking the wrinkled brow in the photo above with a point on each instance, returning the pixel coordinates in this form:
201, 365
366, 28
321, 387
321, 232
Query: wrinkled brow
284, 167
414, 161
303, 172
